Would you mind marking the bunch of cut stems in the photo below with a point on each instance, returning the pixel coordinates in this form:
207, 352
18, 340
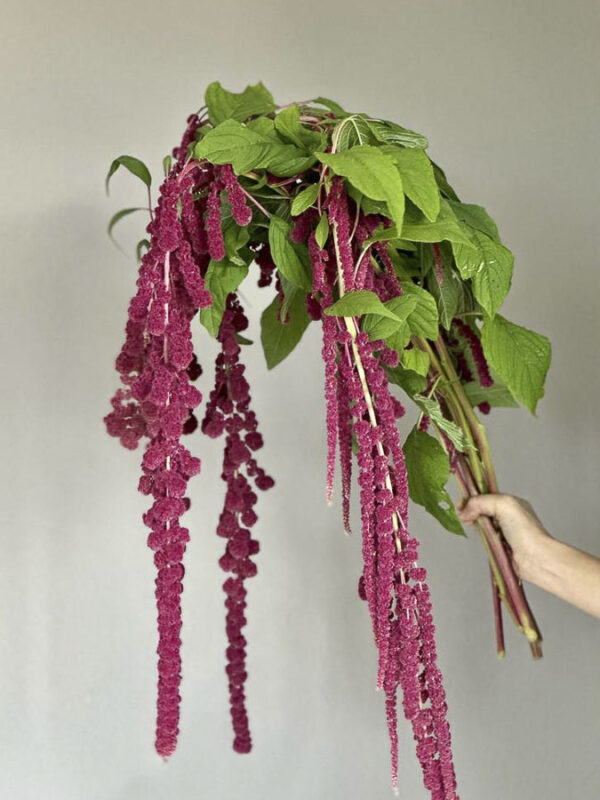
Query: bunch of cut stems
474, 471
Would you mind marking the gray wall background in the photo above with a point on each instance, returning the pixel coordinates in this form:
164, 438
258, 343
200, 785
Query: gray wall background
507, 93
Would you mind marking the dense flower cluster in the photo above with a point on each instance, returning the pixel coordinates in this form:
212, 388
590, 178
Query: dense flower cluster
157, 366
228, 411
394, 586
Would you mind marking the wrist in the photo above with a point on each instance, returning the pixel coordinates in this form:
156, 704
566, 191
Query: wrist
540, 565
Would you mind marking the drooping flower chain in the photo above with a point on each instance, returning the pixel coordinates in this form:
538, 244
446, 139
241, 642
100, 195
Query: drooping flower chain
228, 411
392, 583
157, 365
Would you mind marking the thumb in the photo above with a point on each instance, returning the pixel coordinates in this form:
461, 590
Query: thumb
489, 505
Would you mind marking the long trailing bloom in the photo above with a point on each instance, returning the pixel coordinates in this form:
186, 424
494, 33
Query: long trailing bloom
392, 582
228, 411
156, 365
322, 286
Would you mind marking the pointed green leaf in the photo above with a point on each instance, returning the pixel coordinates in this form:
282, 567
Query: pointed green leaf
418, 179
124, 212
428, 471
416, 360
433, 410
143, 244
423, 321
280, 338
409, 381
288, 124
417, 228
520, 357
391, 133
246, 149
373, 173
442, 182
497, 395
291, 259
447, 294
224, 105
134, 165
322, 230
477, 217
490, 265
222, 278
355, 304
305, 199
330, 104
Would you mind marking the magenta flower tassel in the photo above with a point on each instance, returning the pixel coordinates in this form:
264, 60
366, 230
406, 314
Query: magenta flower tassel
228, 412
156, 366
240, 210
329, 353
214, 230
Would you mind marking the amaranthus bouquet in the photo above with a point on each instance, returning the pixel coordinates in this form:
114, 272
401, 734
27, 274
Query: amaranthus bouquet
347, 223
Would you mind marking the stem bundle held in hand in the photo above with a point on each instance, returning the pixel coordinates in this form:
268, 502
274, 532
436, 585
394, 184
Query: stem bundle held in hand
353, 226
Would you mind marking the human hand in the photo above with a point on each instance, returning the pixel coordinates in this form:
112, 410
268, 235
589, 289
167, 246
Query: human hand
520, 525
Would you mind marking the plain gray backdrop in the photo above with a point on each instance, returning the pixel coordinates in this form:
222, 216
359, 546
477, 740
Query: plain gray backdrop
507, 94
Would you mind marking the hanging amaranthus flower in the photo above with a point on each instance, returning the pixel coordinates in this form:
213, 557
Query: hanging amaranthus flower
228, 411
356, 230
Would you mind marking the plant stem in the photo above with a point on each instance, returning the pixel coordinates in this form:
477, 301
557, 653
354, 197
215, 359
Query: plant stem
478, 476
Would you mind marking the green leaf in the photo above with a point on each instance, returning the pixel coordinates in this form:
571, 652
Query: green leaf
134, 165
477, 217
322, 230
490, 265
330, 104
355, 304
288, 124
417, 228
354, 130
408, 380
390, 133
423, 321
432, 408
235, 238
373, 173
416, 360
291, 259
222, 278
380, 327
246, 149
403, 306
242, 339
447, 295
141, 245
496, 395
520, 357
235, 144
428, 471
399, 338
167, 161
418, 179
124, 212
442, 182
224, 105
396, 332
279, 339
305, 199
265, 127
382, 234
